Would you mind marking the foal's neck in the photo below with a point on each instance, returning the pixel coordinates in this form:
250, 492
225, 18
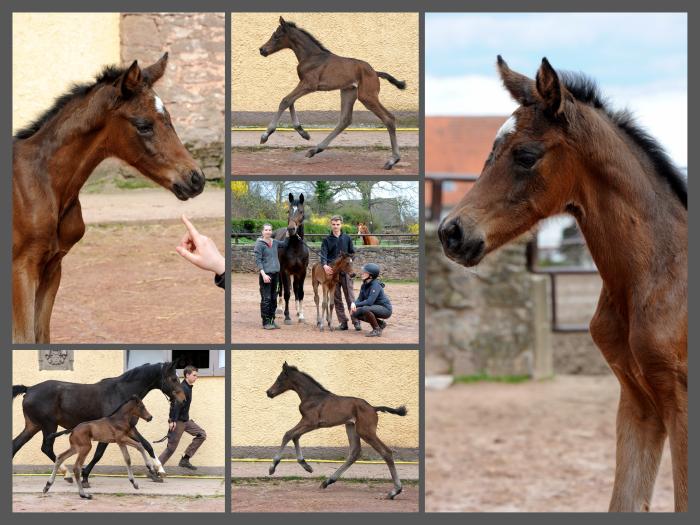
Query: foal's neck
305, 387
634, 224
303, 46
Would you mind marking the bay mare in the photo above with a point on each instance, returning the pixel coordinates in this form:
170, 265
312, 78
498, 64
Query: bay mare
50, 404
118, 115
565, 151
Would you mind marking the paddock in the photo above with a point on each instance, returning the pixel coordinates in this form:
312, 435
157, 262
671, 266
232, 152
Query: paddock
402, 326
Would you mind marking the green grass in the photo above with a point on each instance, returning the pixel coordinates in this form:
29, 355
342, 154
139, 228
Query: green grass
478, 378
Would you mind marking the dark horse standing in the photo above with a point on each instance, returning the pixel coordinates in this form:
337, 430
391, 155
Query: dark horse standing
321, 408
564, 150
51, 404
294, 257
119, 115
321, 70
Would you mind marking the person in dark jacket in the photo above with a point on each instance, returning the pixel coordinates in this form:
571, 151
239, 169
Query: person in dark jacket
201, 251
336, 243
373, 304
268, 264
179, 422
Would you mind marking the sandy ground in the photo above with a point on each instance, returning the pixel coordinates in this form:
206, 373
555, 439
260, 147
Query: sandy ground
403, 326
115, 494
531, 447
124, 283
376, 470
264, 495
333, 161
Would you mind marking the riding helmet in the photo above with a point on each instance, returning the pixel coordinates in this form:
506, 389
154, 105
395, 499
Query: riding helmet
372, 269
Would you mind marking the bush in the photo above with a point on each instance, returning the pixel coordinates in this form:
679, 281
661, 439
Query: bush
255, 226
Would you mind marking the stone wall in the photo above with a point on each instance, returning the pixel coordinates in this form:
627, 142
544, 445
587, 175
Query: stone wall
489, 320
396, 262
193, 85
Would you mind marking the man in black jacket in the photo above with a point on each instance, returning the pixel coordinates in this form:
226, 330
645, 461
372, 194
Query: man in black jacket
179, 422
332, 246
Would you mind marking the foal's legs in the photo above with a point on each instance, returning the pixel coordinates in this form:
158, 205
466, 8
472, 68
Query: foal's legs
319, 321
370, 98
45, 297
47, 448
25, 279
355, 448
57, 464
370, 436
78, 465
127, 460
348, 96
286, 102
297, 124
295, 433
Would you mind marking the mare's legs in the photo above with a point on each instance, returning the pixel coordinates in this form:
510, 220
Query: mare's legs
295, 433
99, 452
29, 431
370, 98
286, 284
57, 464
286, 102
299, 296
127, 460
348, 96
355, 448
297, 124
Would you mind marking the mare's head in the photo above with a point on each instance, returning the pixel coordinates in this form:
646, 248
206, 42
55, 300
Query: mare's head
362, 229
295, 216
169, 383
141, 132
283, 381
530, 173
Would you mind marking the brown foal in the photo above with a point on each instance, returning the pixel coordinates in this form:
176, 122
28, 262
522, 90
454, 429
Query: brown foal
116, 428
328, 283
562, 151
119, 115
367, 239
321, 70
321, 408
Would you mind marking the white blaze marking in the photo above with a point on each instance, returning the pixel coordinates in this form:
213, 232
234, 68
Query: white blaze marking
160, 108
507, 128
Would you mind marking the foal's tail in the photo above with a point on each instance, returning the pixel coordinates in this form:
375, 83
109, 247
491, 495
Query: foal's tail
401, 84
401, 411
18, 389
56, 434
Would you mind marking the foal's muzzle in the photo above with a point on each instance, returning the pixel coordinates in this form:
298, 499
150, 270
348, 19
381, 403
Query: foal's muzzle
149, 418
263, 52
190, 186
270, 394
466, 248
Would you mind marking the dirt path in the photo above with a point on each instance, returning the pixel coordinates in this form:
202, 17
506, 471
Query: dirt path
306, 496
403, 326
531, 447
115, 503
124, 283
333, 161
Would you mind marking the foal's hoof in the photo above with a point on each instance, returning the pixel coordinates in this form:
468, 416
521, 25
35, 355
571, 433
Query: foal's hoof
394, 493
305, 466
271, 470
302, 132
391, 162
313, 151
264, 137
47, 487
327, 482
86, 496
85, 483
136, 485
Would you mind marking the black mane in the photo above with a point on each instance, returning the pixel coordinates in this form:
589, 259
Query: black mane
312, 37
319, 385
138, 371
585, 90
108, 75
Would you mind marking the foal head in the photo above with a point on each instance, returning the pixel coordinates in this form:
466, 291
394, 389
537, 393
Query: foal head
295, 217
136, 409
283, 381
530, 174
278, 41
141, 132
169, 384
343, 264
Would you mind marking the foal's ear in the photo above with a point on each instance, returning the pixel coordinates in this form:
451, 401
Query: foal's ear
301, 198
285, 366
519, 86
152, 73
283, 24
291, 198
549, 88
130, 80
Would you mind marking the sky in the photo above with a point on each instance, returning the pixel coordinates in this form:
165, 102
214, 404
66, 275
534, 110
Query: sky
639, 61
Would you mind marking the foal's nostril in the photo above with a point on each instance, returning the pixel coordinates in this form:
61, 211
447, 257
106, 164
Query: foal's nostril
196, 180
451, 233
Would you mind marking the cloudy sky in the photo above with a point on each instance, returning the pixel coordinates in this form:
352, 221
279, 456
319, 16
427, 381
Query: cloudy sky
639, 61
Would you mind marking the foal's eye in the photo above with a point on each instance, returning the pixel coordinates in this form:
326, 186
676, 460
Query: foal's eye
526, 158
144, 129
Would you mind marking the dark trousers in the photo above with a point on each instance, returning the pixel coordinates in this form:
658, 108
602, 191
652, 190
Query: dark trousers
174, 436
268, 297
344, 287
370, 314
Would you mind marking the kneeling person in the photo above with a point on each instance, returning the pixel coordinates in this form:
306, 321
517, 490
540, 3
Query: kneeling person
373, 304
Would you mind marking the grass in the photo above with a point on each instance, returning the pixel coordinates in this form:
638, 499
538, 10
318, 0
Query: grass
136, 183
478, 378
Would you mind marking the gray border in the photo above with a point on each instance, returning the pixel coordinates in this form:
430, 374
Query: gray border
7, 7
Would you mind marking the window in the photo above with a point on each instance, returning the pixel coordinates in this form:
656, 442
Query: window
209, 362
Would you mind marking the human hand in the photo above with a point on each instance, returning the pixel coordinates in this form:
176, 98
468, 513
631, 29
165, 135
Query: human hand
353, 307
200, 250
328, 269
266, 278
171, 426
